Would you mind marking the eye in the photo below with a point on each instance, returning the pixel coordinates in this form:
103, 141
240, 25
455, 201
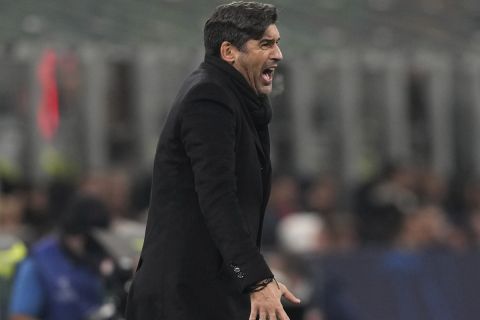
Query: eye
266, 44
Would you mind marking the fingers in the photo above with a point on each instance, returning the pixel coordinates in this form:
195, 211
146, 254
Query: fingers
262, 316
266, 305
253, 314
265, 315
279, 315
289, 295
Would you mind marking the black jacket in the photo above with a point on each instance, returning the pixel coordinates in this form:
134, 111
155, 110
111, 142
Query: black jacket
211, 182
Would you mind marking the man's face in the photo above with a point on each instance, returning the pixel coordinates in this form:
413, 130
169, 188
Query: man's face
258, 59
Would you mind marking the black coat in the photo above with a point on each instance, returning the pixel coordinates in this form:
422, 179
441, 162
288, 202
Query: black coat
211, 182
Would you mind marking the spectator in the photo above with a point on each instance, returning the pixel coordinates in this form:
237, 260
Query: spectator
322, 198
118, 194
432, 188
427, 227
12, 251
36, 212
284, 200
60, 279
381, 205
11, 212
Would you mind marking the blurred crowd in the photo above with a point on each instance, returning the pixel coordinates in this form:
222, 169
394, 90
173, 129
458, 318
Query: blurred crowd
403, 209
68, 248
387, 238
32, 211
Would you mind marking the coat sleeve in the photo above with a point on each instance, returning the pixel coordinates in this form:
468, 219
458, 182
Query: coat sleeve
208, 134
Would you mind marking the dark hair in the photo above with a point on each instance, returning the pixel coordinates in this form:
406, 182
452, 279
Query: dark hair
237, 23
84, 214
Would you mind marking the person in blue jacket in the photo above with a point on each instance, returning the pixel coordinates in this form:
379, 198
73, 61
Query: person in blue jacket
59, 280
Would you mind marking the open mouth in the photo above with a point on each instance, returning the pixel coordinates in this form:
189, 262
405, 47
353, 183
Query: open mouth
267, 74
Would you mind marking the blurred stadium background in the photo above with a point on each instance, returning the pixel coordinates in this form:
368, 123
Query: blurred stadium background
375, 137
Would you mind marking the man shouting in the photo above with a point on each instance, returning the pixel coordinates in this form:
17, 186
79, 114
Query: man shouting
211, 183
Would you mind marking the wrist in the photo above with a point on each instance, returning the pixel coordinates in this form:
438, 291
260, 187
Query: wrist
259, 286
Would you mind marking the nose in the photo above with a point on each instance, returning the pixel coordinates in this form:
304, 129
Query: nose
277, 53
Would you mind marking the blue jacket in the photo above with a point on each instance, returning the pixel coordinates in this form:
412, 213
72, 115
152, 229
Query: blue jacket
65, 289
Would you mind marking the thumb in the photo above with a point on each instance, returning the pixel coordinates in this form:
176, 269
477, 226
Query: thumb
289, 296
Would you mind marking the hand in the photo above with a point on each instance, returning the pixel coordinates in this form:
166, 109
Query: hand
266, 303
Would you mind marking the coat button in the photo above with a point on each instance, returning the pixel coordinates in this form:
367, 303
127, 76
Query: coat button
236, 269
240, 275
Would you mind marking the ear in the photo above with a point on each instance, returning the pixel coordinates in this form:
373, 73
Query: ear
228, 52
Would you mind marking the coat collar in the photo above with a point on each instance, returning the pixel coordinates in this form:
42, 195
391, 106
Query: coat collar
257, 107
233, 73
